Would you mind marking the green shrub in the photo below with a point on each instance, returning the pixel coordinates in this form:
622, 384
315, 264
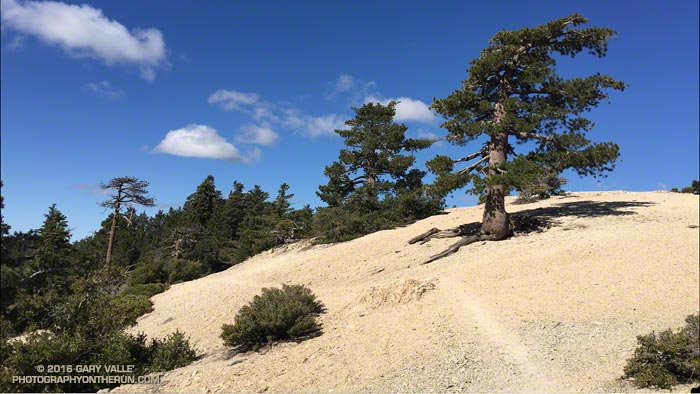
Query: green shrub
173, 352
337, 224
668, 358
276, 314
146, 289
167, 271
129, 307
149, 271
694, 188
88, 328
184, 270
45, 348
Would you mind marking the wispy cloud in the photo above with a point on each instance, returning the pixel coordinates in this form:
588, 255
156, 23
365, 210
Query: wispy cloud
202, 141
261, 135
351, 88
231, 100
358, 92
272, 115
342, 84
275, 114
104, 89
16, 42
91, 189
313, 126
82, 31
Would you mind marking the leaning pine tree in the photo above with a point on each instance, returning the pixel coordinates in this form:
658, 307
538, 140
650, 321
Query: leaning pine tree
512, 92
124, 190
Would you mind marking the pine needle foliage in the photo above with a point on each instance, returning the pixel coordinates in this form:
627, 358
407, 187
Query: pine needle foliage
276, 314
514, 94
668, 358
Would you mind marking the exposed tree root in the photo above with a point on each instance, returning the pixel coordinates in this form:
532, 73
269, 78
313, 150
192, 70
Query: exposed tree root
455, 246
437, 233
468, 234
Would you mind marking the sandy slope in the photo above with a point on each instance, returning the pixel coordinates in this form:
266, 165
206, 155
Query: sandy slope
556, 310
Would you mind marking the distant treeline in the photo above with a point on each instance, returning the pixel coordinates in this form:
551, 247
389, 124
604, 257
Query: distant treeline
693, 188
372, 186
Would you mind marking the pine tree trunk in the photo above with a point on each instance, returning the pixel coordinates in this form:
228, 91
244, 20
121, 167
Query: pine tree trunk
496, 222
114, 226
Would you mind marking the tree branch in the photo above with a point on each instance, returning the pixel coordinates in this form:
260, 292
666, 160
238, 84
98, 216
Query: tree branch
545, 138
473, 166
474, 155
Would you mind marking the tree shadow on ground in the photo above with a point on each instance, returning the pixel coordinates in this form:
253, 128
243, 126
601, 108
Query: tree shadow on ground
528, 221
540, 219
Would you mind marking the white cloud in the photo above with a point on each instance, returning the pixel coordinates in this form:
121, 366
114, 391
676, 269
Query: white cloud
199, 141
344, 83
261, 135
231, 100
84, 32
104, 89
313, 126
407, 109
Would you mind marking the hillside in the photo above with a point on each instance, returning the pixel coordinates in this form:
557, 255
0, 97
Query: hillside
555, 310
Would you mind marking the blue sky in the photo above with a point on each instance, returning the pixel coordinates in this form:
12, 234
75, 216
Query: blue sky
114, 88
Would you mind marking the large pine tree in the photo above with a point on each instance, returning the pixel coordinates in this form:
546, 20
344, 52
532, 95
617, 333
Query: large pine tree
514, 94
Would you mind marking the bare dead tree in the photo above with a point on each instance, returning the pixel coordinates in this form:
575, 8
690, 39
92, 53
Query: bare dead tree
182, 238
125, 190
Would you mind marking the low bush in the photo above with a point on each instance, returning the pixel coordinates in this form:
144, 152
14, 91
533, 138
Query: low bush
129, 307
147, 290
167, 271
150, 271
668, 358
45, 348
180, 270
276, 314
88, 328
172, 352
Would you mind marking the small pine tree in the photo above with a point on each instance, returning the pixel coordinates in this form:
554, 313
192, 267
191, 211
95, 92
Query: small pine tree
281, 204
372, 180
375, 157
200, 205
54, 241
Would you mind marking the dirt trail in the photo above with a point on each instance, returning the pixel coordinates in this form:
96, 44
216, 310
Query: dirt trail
469, 309
550, 311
